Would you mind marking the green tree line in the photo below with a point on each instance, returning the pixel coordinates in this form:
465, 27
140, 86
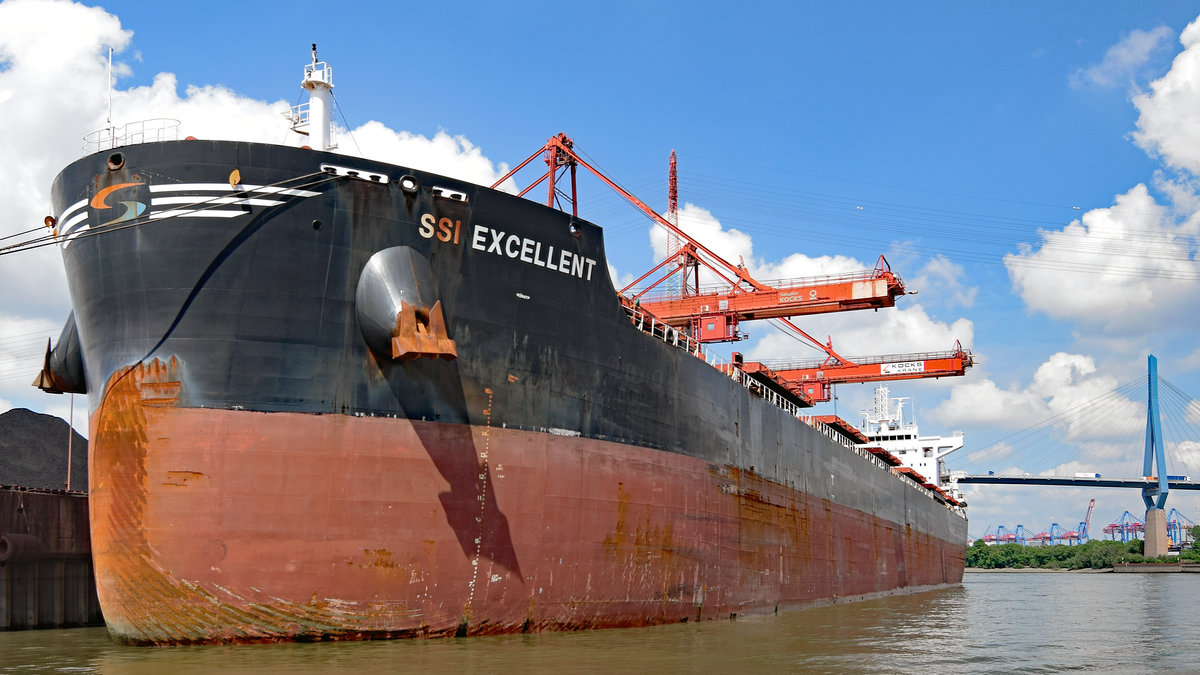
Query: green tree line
1090, 555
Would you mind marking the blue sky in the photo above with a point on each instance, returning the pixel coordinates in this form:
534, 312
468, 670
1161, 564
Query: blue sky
812, 137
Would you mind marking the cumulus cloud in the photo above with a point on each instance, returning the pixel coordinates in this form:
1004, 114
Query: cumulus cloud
1191, 412
1060, 388
992, 453
1186, 453
1124, 60
731, 244
217, 112
1169, 113
984, 402
53, 74
737, 247
890, 331
948, 281
53, 61
1132, 267
451, 155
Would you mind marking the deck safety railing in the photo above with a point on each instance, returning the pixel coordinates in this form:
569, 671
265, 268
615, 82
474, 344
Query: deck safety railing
145, 131
650, 325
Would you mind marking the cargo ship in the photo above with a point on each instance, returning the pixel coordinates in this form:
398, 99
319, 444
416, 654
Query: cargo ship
333, 398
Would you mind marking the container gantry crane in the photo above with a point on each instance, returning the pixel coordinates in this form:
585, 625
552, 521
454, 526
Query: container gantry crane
1128, 526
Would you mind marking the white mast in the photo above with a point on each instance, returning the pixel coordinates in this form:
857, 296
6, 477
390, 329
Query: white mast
108, 88
318, 80
112, 131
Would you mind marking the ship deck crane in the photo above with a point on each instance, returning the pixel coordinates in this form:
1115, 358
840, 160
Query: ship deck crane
712, 315
814, 379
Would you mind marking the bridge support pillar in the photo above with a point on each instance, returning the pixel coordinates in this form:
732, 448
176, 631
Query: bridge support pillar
1156, 533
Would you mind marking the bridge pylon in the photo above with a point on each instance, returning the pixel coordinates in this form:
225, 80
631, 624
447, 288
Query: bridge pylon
1154, 494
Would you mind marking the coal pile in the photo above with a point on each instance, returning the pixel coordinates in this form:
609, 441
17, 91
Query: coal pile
33, 451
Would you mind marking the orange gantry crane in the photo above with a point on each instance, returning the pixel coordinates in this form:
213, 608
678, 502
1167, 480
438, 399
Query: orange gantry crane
712, 313
814, 379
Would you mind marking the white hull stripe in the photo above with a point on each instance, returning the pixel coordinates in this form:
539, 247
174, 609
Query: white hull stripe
224, 187
72, 209
65, 228
204, 201
195, 213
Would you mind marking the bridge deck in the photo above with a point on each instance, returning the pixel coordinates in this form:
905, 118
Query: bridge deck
1078, 482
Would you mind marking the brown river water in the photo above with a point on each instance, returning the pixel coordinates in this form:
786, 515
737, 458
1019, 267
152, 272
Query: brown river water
993, 623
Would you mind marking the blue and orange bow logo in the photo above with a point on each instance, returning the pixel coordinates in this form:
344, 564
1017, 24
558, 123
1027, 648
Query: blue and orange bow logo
131, 208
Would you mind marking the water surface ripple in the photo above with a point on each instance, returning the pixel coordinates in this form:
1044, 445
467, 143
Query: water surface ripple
993, 623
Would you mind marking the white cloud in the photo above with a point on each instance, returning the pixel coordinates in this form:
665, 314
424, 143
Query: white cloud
1059, 389
1124, 60
1191, 412
993, 453
445, 154
984, 402
944, 279
1182, 195
737, 248
889, 331
217, 112
800, 266
53, 63
1169, 120
619, 280
1123, 268
1186, 453
699, 223
207, 112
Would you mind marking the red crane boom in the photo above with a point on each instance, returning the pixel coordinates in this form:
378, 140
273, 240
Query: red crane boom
812, 380
713, 314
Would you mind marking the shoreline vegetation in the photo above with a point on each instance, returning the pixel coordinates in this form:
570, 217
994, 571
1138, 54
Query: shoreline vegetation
1091, 556
1035, 570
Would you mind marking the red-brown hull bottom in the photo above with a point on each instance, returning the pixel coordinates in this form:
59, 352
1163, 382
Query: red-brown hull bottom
231, 526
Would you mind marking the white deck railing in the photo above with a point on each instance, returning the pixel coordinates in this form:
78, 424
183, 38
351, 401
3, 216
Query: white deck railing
145, 131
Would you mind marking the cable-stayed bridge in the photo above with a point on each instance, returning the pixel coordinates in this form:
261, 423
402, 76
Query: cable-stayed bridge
1109, 413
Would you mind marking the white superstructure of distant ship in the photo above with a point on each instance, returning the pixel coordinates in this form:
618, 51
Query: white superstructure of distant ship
887, 428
